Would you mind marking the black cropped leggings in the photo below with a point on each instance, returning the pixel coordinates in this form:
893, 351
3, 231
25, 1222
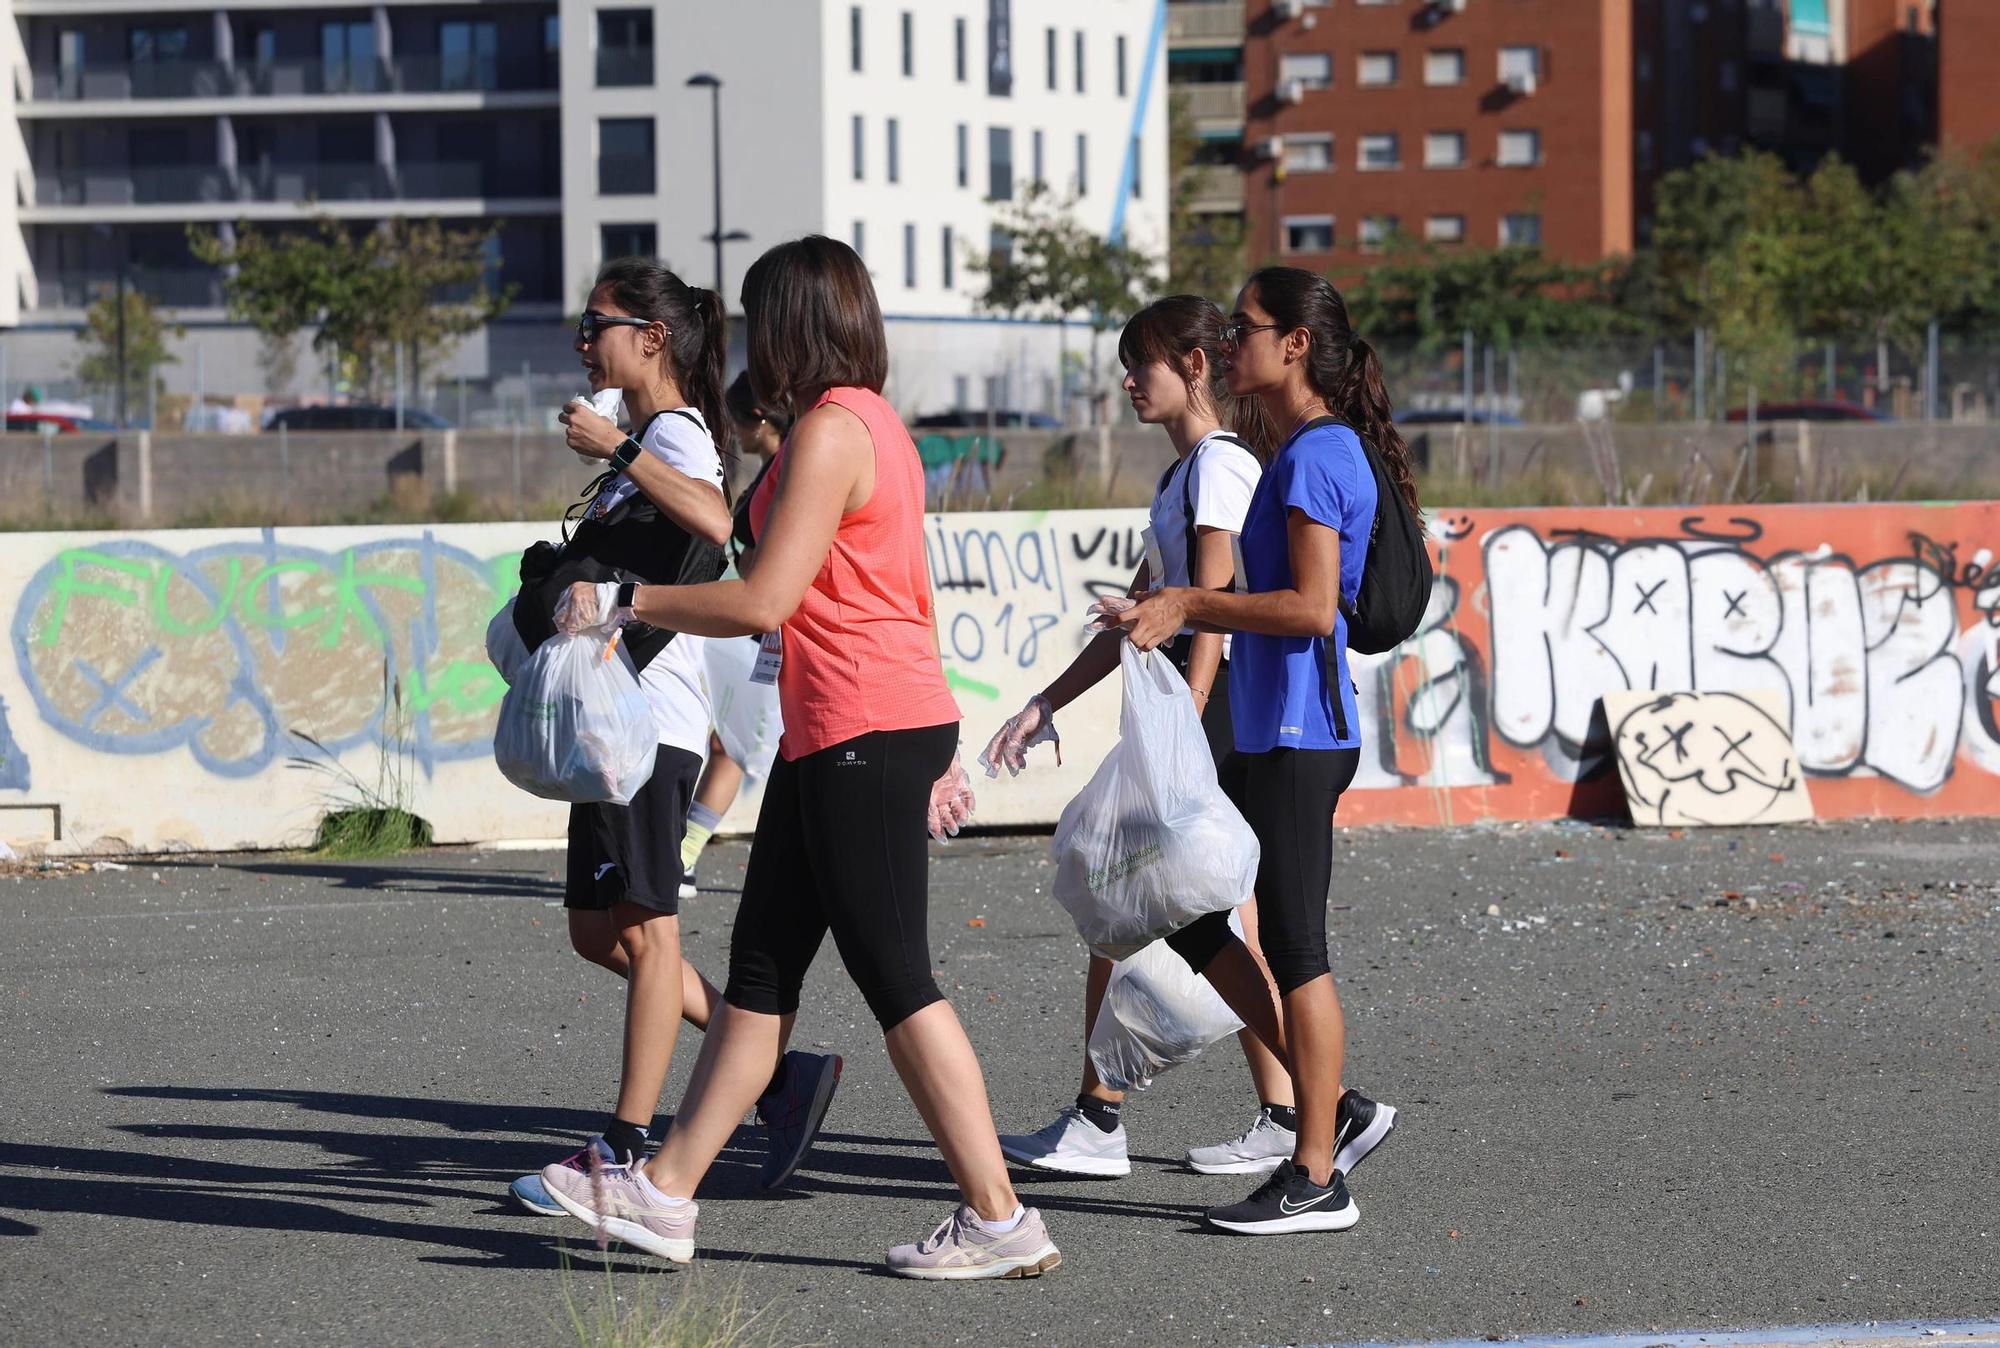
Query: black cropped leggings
843, 845
1288, 796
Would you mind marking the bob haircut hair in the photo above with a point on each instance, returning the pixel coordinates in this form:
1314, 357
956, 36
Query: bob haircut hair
814, 324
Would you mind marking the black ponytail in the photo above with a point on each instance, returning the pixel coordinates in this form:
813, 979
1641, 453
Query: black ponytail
697, 328
1340, 365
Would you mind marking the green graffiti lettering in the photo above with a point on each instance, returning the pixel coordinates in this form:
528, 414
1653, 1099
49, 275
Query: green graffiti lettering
67, 586
248, 609
348, 600
958, 682
465, 686
163, 582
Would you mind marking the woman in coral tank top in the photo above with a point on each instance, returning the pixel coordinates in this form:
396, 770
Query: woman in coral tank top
867, 765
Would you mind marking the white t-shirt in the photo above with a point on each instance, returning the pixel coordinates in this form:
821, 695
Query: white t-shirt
1225, 476
675, 681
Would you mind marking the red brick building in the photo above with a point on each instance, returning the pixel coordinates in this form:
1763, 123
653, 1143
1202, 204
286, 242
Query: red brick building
1968, 71
1475, 121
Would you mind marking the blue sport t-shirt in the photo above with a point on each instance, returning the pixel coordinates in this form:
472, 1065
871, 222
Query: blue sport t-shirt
1278, 693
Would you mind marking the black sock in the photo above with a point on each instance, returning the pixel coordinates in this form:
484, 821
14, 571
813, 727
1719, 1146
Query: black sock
1103, 1113
626, 1140
1285, 1116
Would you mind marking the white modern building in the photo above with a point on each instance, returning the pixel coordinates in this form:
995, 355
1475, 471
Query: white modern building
898, 125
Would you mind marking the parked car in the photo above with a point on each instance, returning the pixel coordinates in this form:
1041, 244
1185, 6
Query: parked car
1440, 416
354, 417
54, 421
966, 418
1811, 411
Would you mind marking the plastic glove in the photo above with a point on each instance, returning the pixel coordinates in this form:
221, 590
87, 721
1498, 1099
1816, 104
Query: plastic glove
1028, 727
951, 802
586, 607
1104, 610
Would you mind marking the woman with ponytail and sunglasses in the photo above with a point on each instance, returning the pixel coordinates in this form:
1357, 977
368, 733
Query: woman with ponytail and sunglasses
658, 512
1290, 346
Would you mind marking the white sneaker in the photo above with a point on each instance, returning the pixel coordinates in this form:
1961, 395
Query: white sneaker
1072, 1145
1259, 1148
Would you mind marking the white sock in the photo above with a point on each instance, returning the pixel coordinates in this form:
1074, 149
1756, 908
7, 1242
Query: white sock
654, 1195
700, 814
1005, 1224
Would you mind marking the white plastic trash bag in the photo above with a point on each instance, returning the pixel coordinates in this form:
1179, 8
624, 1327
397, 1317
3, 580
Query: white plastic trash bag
747, 717
1151, 843
575, 726
1157, 1013
504, 646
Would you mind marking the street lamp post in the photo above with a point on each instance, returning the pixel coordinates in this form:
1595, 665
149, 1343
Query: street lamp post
718, 237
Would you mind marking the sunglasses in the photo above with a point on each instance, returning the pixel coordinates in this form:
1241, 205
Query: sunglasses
593, 323
1234, 333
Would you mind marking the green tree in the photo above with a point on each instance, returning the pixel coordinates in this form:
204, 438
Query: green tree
412, 281
1206, 251
1431, 294
145, 346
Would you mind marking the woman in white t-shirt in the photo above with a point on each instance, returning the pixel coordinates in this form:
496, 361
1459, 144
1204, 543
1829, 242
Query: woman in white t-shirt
1172, 353
658, 512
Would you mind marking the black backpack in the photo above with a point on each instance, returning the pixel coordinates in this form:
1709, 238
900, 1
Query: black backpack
1396, 581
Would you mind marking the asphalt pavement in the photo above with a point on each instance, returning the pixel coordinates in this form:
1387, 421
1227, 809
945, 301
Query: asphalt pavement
1724, 1080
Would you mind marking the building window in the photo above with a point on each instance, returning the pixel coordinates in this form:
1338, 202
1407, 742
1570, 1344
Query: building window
1518, 64
1079, 60
964, 155
1376, 231
854, 41
1524, 230
1377, 69
1308, 154
469, 55
860, 147
624, 48
1642, 66
1520, 149
948, 268
1121, 65
909, 257
909, 44
1725, 76
163, 45
1040, 176
1312, 69
1050, 40
861, 240
628, 241
551, 50
1445, 229
999, 163
1308, 233
1642, 150
895, 161
1082, 164
1138, 162
958, 48
999, 248
999, 49
625, 159
1444, 149
347, 57
1444, 66
1380, 150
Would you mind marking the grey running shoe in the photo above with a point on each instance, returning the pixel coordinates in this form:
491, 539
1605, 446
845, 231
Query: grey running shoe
609, 1198
962, 1248
1361, 1126
792, 1113
1258, 1148
1289, 1202
1072, 1145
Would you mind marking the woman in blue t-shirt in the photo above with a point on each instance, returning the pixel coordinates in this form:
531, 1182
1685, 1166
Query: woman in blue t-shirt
1304, 543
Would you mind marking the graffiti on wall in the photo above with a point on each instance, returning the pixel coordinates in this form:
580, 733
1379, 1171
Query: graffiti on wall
128, 647
14, 775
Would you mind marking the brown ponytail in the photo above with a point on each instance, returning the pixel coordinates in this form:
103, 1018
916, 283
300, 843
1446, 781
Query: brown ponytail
1340, 365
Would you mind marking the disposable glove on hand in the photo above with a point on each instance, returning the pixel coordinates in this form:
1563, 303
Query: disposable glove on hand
951, 802
1104, 612
586, 607
1032, 725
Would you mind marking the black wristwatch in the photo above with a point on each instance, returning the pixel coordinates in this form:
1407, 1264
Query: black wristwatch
625, 455
627, 592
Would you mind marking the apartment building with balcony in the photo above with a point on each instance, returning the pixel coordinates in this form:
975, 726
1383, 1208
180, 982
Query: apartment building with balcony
1205, 76
901, 125
1483, 122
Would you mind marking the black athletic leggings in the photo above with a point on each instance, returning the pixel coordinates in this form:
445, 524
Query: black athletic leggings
1288, 796
843, 845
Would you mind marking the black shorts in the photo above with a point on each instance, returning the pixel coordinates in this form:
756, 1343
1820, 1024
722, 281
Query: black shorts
1288, 797
633, 852
843, 846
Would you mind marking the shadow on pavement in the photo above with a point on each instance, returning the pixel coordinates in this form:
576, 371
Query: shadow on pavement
469, 882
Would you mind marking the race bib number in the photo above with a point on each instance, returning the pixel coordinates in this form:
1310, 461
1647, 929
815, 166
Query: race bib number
770, 658
1156, 562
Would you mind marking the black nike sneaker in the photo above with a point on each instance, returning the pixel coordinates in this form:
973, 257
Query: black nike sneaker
1361, 1126
1287, 1202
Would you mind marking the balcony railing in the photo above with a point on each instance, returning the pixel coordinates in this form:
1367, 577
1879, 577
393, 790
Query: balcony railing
1218, 103
624, 67
286, 183
625, 175
269, 79
177, 287
1205, 25
142, 185
1215, 188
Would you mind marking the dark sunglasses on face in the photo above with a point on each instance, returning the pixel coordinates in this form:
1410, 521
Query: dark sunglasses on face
1234, 332
593, 323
